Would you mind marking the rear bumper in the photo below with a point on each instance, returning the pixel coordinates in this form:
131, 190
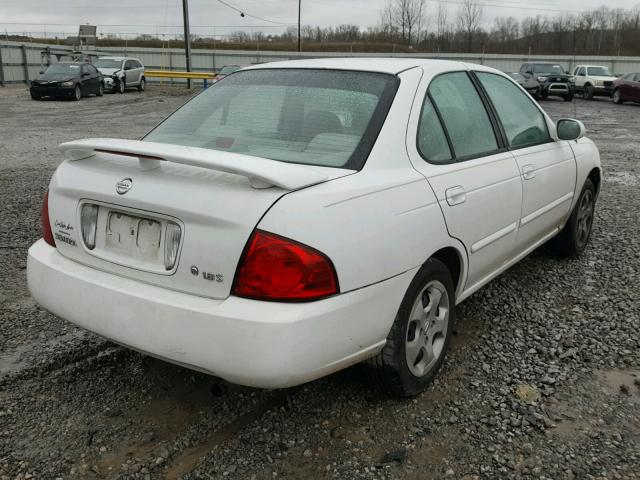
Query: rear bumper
248, 342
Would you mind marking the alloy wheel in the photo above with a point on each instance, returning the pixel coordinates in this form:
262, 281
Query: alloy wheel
584, 219
427, 328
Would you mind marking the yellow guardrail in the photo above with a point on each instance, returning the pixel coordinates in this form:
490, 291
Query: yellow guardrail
206, 76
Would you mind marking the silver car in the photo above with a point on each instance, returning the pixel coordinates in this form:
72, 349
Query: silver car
121, 73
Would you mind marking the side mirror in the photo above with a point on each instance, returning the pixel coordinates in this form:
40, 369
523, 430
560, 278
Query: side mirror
529, 72
41, 72
127, 68
567, 72
86, 74
570, 129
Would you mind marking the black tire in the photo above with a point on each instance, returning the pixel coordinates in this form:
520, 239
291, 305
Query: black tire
537, 94
121, 86
568, 98
574, 237
589, 92
617, 97
35, 97
77, 93
389, 370
141, 87
100, 91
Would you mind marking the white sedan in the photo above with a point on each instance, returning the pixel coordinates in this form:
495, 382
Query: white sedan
301, 217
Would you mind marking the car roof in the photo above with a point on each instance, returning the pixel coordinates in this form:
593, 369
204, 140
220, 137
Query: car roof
117, 58
390, 65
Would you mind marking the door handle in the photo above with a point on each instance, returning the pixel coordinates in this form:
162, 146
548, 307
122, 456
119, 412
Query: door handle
456, 195
528, 172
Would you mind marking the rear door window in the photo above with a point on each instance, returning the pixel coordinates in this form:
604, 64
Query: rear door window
523, 123
432, 141
465, 118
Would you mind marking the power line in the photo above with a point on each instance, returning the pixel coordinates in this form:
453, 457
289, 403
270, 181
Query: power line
244, 14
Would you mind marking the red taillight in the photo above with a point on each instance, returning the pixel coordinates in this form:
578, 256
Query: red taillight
47, 234
276, 268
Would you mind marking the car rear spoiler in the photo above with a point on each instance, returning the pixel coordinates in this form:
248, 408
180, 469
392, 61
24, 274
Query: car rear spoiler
261, 172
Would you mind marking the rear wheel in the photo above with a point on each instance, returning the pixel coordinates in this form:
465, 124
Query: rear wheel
142, 85
589, 92
77, 93
568, 98
617, 97
574, 237
420, 335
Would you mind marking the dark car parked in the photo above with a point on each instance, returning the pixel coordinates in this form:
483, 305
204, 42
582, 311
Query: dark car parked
67, 79
529, 84
626, 88
552, 79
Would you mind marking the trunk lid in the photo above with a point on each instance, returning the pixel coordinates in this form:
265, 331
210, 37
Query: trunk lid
141, 197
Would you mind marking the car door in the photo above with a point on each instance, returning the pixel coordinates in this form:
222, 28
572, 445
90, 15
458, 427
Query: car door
477, 183
131, 73
634, 87
94, 78
85, 80
547, 167
579, 77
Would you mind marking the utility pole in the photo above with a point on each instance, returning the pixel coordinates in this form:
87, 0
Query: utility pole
187, 38
299, 10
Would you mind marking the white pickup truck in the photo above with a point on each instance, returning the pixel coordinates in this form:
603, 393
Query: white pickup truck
593, 80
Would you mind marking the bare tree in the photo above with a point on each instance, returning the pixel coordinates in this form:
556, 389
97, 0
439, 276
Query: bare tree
469, 20
442, 25
405, 17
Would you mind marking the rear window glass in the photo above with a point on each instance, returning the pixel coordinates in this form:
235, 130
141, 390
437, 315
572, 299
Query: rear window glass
316, 117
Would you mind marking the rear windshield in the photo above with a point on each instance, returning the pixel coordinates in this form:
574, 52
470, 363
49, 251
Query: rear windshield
229, 69
548, 68
329, 118
65, 68
107, 63
599, 71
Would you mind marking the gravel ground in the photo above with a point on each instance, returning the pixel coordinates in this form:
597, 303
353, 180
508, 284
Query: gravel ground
543, 380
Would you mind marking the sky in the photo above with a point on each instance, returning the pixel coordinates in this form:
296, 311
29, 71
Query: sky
214, 18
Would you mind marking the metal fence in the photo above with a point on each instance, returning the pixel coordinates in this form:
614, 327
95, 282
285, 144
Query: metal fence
21, 62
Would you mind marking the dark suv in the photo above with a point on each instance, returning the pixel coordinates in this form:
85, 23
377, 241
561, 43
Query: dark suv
552, 80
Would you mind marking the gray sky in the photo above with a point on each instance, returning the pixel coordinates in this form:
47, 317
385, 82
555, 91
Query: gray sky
209, 17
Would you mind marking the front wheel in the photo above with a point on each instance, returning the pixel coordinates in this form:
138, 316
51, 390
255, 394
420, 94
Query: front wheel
574, 237
142, 85
617, 97
589, 92
420, 335
100, 91
35, 97
121, 86
568, 98
77, 93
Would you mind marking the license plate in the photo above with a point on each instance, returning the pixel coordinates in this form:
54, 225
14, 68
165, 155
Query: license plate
136, 236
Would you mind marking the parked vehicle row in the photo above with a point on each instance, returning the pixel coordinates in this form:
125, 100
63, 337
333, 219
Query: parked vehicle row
544, 79
78, 79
